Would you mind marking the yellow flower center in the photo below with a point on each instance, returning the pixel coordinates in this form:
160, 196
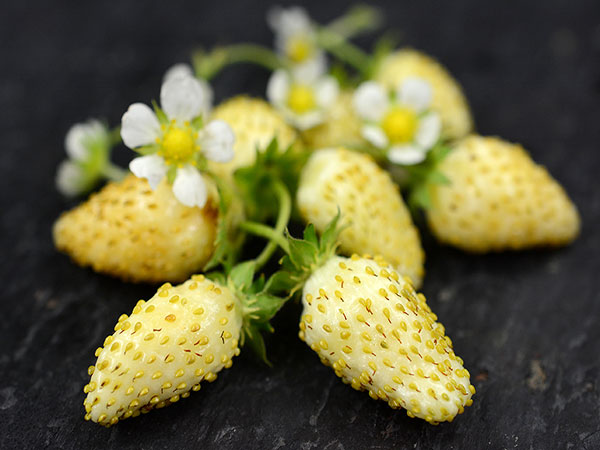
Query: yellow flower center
301, 98
400, 125
178, 144
298, 48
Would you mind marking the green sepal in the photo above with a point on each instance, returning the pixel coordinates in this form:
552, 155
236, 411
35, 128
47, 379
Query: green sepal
171, 174
304, 257
417, 180
228, 239
255, 182
160, 114
197, 122
258, 306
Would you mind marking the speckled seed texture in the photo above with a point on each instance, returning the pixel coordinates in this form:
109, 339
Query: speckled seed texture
376, 219
135, 233
498, 199
181, 336
379, 335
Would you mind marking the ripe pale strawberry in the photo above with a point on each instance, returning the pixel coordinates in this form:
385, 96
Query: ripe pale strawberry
163, 350
376, 219
498, 199
368, 323
342, 126
448, 99
255, 123
132, 232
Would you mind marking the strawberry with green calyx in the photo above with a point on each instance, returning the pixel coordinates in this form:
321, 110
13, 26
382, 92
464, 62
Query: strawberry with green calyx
254, 122
368, 324
376, 219
496, 198
261, 185
182, 336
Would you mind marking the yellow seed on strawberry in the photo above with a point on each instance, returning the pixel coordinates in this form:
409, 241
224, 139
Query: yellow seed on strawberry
385, 352
377, 220
135, 374
135, 233
499, 199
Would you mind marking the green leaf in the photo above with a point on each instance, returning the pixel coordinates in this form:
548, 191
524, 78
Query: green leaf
310, 235
303, 254
254, 338
268, 305
329, 238
242, 274
437, 177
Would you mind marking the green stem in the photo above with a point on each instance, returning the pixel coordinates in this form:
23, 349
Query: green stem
267, 232
285, 211
114, 172
339, 47
115, 136
356, 20
207, 65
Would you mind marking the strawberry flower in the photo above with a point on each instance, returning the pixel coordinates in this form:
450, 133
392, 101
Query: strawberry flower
174, 140
303, 96
88, 146
400, 123
296, 39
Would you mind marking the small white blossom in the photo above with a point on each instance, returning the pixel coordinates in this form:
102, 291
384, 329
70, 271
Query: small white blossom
87, 146
177, 142
183, 70
305, 99
402, 123
296, 39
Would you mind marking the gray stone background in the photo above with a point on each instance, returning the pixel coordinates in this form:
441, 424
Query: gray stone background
526, 324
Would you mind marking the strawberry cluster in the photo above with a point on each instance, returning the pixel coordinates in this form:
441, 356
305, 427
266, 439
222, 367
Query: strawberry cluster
338, 147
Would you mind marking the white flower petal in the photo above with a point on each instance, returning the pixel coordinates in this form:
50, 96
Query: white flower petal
428, 132
183, 98
375, 136
189, 187
74, 142
326, 92
180, 70
306, 120
309, 71
406, 154
216, 141
370, 101
278, 87
416, 93
70, 179
289, 21
151, 167
139, 126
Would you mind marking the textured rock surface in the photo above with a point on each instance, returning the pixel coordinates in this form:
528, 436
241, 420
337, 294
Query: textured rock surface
525, 323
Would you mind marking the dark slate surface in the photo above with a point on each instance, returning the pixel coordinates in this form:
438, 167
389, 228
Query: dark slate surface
525, 323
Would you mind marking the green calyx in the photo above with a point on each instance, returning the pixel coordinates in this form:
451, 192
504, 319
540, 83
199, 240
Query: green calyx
303, 257
417, 180
257, 183
257, 304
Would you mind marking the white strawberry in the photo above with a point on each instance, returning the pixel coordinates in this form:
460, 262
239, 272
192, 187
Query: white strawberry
379, 335
169, 344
